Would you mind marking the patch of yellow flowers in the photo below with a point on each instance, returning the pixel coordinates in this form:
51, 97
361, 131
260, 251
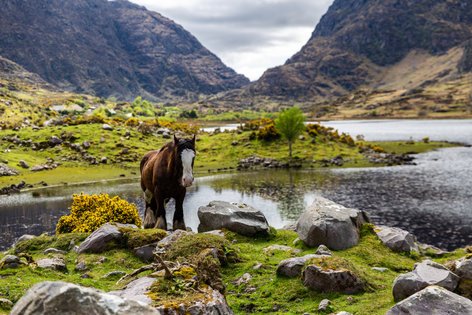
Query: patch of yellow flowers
89, 212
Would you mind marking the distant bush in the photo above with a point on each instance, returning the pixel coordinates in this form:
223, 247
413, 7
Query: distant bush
268, 133
89, 212
190, 114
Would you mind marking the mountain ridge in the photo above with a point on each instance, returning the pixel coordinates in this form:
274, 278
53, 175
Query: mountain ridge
110, 49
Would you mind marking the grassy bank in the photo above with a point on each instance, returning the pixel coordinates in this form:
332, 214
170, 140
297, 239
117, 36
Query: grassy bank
264, 293
124, 146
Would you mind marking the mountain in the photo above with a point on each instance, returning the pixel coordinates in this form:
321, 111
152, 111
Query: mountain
376, 45
110, 48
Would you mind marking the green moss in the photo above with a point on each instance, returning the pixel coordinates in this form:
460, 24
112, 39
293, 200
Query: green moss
140, 237
42, 242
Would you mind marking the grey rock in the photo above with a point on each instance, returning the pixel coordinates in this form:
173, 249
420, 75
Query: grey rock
65, 298
324, 305
23, 164
81, 266
380, 269
166, 135
100, 239
323, 250
137, 290
6, 304
397, 239
281, 248
244, 279
52, 263
7, 171
464, 268
107, 127
257, 266
236, 217
11, 261
343, 281
326, 222
292, 267
25, 237
424, 274
146, 252
54, 251
433, 300
53, 141
343, 313
86, 144
104, 160
161, 131
431, 250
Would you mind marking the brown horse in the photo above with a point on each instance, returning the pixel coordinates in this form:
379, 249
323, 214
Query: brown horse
166, 174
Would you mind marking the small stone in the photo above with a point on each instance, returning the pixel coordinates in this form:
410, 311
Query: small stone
86, 276
107, 127
104, 160
244, 279
343, 313
54, 251
324, 305
23, 164
52, 263
323, 250
380, 269
292, 267
86, 144
146, 252
81, 266
10, 261
257, 266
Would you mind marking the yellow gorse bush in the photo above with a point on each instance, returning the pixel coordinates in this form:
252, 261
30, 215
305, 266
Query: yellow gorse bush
89, 212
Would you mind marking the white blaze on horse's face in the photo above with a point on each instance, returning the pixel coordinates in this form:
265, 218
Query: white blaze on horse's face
187, 172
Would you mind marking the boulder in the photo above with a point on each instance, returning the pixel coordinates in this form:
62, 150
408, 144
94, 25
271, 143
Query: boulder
463, 268
66, 298
146, 252
343, 281
432, 298
397, 239
5, 304
137, 290
101, 239
53, 141
236, 217
424, 274
292, 267
324, 305
52, 263
23, 164
326, 222
11, 261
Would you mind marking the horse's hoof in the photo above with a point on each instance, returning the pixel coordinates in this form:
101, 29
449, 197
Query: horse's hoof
179, 225
149, 219
161, 224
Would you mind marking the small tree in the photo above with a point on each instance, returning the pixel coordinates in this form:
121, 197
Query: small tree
290, 124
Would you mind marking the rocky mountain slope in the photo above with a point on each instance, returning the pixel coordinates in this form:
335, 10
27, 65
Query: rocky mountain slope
378, 45
110, 48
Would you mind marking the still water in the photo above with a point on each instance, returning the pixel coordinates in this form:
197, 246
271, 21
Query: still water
433, 199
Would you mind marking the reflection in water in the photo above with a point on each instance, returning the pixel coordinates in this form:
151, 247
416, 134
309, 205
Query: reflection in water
432, 200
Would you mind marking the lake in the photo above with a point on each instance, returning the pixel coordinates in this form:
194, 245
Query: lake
432, 199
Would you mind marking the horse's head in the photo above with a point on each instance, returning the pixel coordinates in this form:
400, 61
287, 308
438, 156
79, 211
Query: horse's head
186, 156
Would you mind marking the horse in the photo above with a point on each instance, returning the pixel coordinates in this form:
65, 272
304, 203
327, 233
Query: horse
165, 174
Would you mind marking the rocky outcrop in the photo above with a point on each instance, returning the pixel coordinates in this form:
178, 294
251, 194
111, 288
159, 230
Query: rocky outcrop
236, 217
328, 223
344, 281
432, 298
101, 239
7, 171
425, 274
65, 298
397, 239
110, 48
292, 267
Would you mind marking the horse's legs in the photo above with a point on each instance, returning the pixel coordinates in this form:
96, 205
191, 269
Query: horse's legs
178, 222
150, 211
161, 222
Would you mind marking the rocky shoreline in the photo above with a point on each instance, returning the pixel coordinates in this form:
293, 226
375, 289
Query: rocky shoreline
194, 264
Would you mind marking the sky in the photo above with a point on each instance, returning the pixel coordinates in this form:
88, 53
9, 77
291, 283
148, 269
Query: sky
249, 36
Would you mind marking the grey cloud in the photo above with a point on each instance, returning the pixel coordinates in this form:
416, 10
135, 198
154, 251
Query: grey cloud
244, 26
